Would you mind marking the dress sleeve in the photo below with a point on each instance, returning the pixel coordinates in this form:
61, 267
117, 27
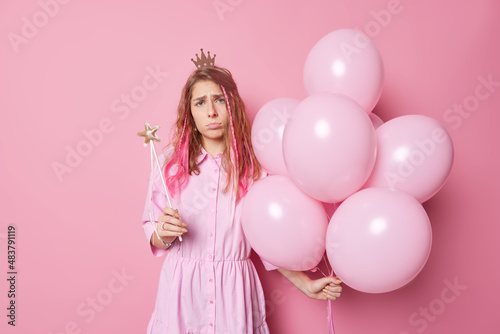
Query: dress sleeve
156, 201
268, 265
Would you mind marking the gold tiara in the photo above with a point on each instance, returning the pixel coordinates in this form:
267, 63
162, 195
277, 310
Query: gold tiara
204, 61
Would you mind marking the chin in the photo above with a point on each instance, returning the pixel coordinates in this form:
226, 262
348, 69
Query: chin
214, 136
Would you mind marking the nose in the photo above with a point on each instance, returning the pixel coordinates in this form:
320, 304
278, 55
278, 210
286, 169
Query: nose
212, 112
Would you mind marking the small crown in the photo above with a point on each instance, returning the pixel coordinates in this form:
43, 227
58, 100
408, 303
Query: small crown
204, 61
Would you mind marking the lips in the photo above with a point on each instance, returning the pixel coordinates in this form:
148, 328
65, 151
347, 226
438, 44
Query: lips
214, 126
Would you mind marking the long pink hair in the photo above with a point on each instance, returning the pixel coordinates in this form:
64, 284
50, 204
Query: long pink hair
239, 160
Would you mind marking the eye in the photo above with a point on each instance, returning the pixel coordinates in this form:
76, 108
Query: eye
199, 103
221, 100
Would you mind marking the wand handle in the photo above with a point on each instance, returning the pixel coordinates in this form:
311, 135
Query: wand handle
161, 174
153, 150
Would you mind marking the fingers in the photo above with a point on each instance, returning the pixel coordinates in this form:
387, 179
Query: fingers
171, 220
169, 224
332, 291
171, 212
166, 229
171, 216
333, 280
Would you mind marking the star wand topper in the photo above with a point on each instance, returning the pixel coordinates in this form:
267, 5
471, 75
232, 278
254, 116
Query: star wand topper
150, 137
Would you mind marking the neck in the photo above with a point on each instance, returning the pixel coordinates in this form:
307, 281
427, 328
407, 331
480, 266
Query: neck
213, 147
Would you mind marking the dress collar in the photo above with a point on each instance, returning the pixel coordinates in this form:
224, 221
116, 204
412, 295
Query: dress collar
204, 154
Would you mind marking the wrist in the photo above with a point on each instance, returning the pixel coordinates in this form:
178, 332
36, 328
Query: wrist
168, 241
299, 279
307, 288
162, 243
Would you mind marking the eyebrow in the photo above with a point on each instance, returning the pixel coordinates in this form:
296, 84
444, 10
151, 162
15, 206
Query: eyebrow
216, 96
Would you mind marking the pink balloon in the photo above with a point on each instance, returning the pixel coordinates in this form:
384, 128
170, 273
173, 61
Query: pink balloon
415, 154
345, 61
376, 121
285, 227
267, 133
329, 147
378, 240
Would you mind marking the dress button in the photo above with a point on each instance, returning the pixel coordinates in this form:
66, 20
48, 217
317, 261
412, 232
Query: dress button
210, 280
211, 324
211, 234
211, 302
210, 257
212, 210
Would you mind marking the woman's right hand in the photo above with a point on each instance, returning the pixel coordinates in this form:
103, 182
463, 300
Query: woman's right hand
170, 225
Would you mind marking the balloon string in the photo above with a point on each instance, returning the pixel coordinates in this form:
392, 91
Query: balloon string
326, 264
331, 329
153, 153
329, 316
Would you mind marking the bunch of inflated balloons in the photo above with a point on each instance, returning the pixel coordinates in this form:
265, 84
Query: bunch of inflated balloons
329, 148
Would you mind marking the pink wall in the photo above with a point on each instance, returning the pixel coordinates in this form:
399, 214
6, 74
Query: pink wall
82, 260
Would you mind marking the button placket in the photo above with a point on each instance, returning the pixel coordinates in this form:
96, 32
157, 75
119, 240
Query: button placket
212, 216
210, 242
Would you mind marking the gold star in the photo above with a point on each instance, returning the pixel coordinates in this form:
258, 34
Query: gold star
149, 133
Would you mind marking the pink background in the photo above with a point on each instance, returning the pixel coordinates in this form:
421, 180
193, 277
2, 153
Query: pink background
77, 233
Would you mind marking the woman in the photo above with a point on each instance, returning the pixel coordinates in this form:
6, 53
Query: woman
208, 284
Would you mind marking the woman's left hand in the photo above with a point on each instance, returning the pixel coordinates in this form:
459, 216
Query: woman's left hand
321, 289
325, 288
